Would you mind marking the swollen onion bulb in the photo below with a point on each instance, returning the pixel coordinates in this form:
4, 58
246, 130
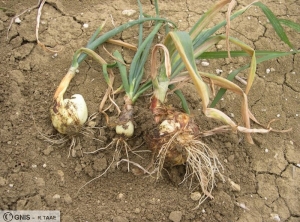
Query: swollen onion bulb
69, 115
126, 129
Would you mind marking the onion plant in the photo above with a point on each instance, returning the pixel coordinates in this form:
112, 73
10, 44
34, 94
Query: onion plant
59, 106
134, 87
176, 140
202, 40
70, 115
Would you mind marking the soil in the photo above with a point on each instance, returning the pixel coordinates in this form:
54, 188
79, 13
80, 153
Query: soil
37, 175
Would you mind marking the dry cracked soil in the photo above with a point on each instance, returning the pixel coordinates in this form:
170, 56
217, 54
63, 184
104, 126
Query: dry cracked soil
37, 175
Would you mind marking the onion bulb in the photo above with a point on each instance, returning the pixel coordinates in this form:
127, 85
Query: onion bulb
126, 129
69, 115
124, 124
176, 142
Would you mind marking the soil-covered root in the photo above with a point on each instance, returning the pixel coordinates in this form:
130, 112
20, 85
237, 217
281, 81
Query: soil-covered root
175, 142
87, 130
119, 145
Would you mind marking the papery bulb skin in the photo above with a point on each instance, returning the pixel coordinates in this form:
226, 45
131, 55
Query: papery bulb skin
80, 106
126, 129
69, 115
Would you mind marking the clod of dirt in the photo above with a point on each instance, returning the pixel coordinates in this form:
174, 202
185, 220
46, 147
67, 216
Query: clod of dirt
48, 150
40, 182
2, 181
120, 219
100, 164
175, 216
67, 218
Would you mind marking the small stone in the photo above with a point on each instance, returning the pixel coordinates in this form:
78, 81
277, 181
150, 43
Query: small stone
175, 216
2, 181
128, 12
17, 20
92, 124
137, 210
60, 173
56, 196
195, 196
48, 150
85, 25
219, 71
234, 186
40, 182
120, 196
204, 63
67, 199
78, 168
275, 217
120, 219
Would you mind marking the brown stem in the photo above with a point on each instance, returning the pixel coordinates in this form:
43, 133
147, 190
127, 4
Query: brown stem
63, 85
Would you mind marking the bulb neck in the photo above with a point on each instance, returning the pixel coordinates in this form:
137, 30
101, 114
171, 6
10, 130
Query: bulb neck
63, 85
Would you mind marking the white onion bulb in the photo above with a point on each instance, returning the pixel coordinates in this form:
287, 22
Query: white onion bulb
126, 129
69, 115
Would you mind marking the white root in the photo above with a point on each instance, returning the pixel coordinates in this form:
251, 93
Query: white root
242, 205
202, 164
234, 186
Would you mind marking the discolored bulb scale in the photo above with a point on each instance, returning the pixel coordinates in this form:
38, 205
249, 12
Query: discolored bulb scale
69, 115
168, 126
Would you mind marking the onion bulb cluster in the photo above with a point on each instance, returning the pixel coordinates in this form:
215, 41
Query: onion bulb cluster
176, 142
174, 134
